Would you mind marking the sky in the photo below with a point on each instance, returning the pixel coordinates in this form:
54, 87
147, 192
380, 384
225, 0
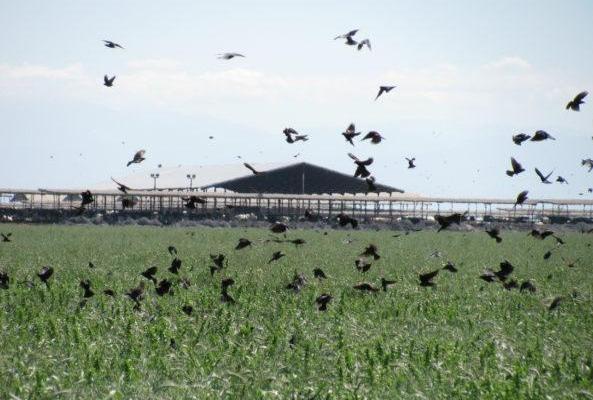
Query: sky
468, 74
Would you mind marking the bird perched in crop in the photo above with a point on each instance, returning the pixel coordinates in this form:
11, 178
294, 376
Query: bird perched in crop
385, 284
45, 273
365, 287
426, 278
516, 168
371, 251
86, 286
136, 294
322, 301
276, 256
384, 89
163, 287
111, 45
319, 274
350, 133
374, 136
4, 280
175, 266
344, 220
361, 170
243, 243
138, 157
449, 266
278, 227
191, 201
362, 265
575, 104
149, 274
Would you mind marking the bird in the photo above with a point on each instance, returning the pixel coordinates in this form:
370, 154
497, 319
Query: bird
191, 201
512, 284
411, 162
361, 170
218, 260
371, 187
488, 276
249, 167
138, 158
543, 178
575, 104
289, 132
172, 250
426, 278
109, 292
163, 287
226, 283
187, 309
364, 42
86, 286
319, 274
350, 133
446, 221
350, 41
521, 197
4, 280
588, 162
506, 268
87, 198
560, 179
555, 303
520, 138
6, 237
371, 251
365, 287
322, 301
297, 283
45, 273
528, 286
535, 233
111, 45
362, 264
517, 168
149, 274
384, 89
344, 220
243, 243
276, 256
136, 294
175, 265
541, 135
374, 136
449, 266
229, 56
347, 35
107, 81
121, 187
494, 234
386, 283
279, 227
547, 254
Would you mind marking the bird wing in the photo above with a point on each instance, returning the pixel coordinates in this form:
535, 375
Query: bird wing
429, 275
249, 167
381, 90
121, 184
367, 162
547, 176
352, 156
579, 97
541, 176
515, 164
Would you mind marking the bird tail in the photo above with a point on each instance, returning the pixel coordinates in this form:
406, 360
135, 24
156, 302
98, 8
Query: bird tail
510, 173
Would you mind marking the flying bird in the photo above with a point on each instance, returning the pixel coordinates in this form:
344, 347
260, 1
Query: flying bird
6, 237
276, 256
111, 45
364, 42
384, 89
426, 279
516, 168
374, 136
350, 133
521, 197
121, 187
411, 162
107, 81
543, 178
191, 201
350, 41
371, 251
243, 243
446, 221
575, 104
365, 287
541, 135
520, 138
494, 233
361, 170
149, 274
138, 157
229, 56
347, 35
561, 179
371, 187
587, 162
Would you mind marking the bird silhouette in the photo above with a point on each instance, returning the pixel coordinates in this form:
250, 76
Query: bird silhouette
494, 233
521, 197
362, 265
229, 56
111, 45
187, 309
541, 135
249, 167
449, 266
385, 284
384, 89
191, 201
350, 133
347, 35
520, 138
588, 162
411, 162
426, 278
319, 274
138, 157
4, 280
516, 168
45, 273
555, 303
278, 227
243, 243
276, 256
344, 220
121, 187
527, 286
149, 274
371, 187
172, 250
322, 301
371, 251
364, 42
136, 294
163, 287
374, 136
543, 178
575, 104
175, 266
107, 81
365, 287
297, 283
506, 268
561, 180
6, 237
86, 286
361, 170
446, 221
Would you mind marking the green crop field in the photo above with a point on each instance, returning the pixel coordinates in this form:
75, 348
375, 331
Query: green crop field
463, 338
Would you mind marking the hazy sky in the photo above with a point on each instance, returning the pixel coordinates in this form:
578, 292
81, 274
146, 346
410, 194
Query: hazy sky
469, 74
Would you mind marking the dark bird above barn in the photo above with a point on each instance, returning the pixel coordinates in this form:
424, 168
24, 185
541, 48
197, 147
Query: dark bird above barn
249, 167
138, 157
494, 233
374, 136
350, 133
543, 178
446, 221
347, 35
575, 104
541, 135
371, 187
365, 287
411, 162
426, 279
229, 56
322, 301
243, 243
521, 197
121, 187
361, 170
520, 138
87, 198
191, 201
364, 42
516, 168
6, 237
107, 81
384, 89
111, 45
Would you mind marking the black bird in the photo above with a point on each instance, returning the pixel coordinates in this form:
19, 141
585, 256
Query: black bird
276, 256
555, 303
588, 162
374, 136
371, 187
218, 260
107, 81
543, 178
364, 42
112, 45
322, 301
4, 280
226, 283
447, 221
362, 265
350, 133
298, 281
344, 220
411, 162
149, 274
350, 41
371, 251
528, 286
136, 294
365, 287
163, 287
384, 89
109, 292
172, 250
361, 170
512, 284
506, 268
560, 179
6, 237
449, 266
187, 309
535, 233
541, 135
45, 274
86, 286
175, 265
426, 279
575, 104
87, 198
494, 233
520, 138
191, 201
521, 197
249, 167
547, 254
128, 202
138, 157
242, 244
229, 56
121, 187
517, 168
385, 284
488, 276
288, 132
278, 227
347, 35
318, 273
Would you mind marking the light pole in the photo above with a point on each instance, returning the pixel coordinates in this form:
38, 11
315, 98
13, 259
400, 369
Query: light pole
154, 178
191, 179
